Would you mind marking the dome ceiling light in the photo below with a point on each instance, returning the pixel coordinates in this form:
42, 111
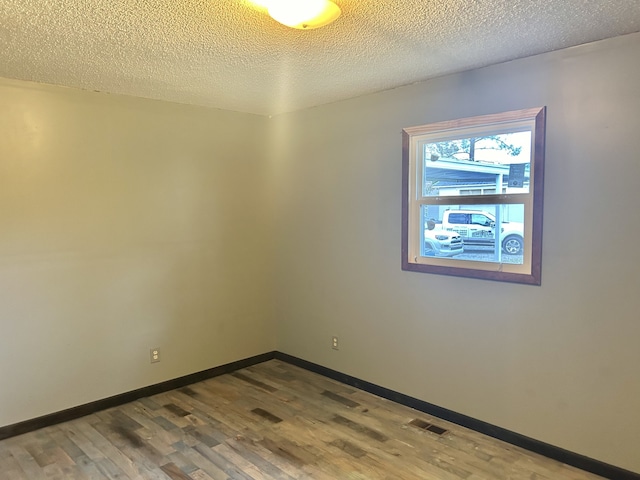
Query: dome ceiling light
303, 14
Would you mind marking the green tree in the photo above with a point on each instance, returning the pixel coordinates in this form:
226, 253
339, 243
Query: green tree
469, 146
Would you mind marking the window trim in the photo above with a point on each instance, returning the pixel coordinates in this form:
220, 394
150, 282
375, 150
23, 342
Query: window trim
447, 130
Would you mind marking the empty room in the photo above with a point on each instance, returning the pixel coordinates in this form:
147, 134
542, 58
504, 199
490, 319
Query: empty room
386, 240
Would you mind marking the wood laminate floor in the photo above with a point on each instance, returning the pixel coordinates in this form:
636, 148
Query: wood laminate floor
268, 421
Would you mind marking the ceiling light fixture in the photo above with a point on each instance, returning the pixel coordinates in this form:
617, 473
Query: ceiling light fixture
304, 14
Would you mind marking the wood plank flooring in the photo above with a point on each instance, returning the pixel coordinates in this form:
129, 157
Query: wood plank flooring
268, 421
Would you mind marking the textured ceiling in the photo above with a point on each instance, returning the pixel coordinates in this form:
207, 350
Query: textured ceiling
230, 54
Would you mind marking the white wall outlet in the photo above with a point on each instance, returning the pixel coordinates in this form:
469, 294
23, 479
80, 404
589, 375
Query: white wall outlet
155, 355
334, 343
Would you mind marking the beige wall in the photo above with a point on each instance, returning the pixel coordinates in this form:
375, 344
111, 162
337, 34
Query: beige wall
125, 224
559, 363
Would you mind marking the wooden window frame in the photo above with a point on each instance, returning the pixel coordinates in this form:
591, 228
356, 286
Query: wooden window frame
530, 271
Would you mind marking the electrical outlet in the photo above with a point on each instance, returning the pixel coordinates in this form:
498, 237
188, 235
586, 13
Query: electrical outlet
155, 355
334, 343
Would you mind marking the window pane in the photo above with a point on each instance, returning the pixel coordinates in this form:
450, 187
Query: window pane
495, 164
469, 232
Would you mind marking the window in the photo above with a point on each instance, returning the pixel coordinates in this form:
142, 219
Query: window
472, 196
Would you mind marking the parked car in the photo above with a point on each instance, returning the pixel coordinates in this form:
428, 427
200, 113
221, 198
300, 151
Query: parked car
477, 227
441, 243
